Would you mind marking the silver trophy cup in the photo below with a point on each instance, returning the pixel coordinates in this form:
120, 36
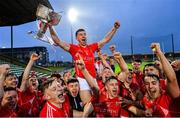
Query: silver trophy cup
46, 16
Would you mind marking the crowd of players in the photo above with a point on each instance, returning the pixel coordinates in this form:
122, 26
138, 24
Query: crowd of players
130, 93
151, 92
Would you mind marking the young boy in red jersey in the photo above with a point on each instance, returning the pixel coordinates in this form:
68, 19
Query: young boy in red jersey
105, 104
57, 104
30, 99
8, 103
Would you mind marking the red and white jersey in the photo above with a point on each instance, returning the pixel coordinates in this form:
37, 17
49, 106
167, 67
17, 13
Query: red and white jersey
160, 106
127, 94
30, 103
50, 111
106, 107
137, 79
87, 53
100, 83
8, 113
99, 67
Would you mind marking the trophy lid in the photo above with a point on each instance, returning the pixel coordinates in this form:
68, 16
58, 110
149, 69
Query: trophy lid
43, 12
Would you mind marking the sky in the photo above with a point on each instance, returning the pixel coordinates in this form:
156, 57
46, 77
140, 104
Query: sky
145, 21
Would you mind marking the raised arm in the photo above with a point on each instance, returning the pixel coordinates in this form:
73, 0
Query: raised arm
90, 80
4, 69
104, 62
172, 84
123, 66
58, 41
176, 65
109, 35
27, 70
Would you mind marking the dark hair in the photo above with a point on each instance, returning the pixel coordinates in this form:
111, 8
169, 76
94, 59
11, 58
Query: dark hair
178, 76
106, 68
79, 30
152, 76
56, 75
20, 80
130, 69
9, 89
63, 83
72, 80
137, 60
46, 84
153, 65
11, 74
65, 73
110, 78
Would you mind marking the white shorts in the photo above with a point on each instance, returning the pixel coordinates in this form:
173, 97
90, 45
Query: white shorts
83, 84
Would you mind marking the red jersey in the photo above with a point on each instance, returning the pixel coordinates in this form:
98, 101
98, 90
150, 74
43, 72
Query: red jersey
50, 111
126, 93
162, 83
5, 112
137, 78
87, 53
160, 106
106, 107
8, 113
30, 103
175, 107
100, 83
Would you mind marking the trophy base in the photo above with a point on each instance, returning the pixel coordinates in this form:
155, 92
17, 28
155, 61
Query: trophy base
41, 37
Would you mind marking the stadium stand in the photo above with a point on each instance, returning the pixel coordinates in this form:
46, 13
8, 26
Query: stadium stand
18, 67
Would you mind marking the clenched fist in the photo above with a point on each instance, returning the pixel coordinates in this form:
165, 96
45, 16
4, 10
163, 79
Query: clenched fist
156, 47
116, 24
117, 56
4, 69
35, 56
176, 65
